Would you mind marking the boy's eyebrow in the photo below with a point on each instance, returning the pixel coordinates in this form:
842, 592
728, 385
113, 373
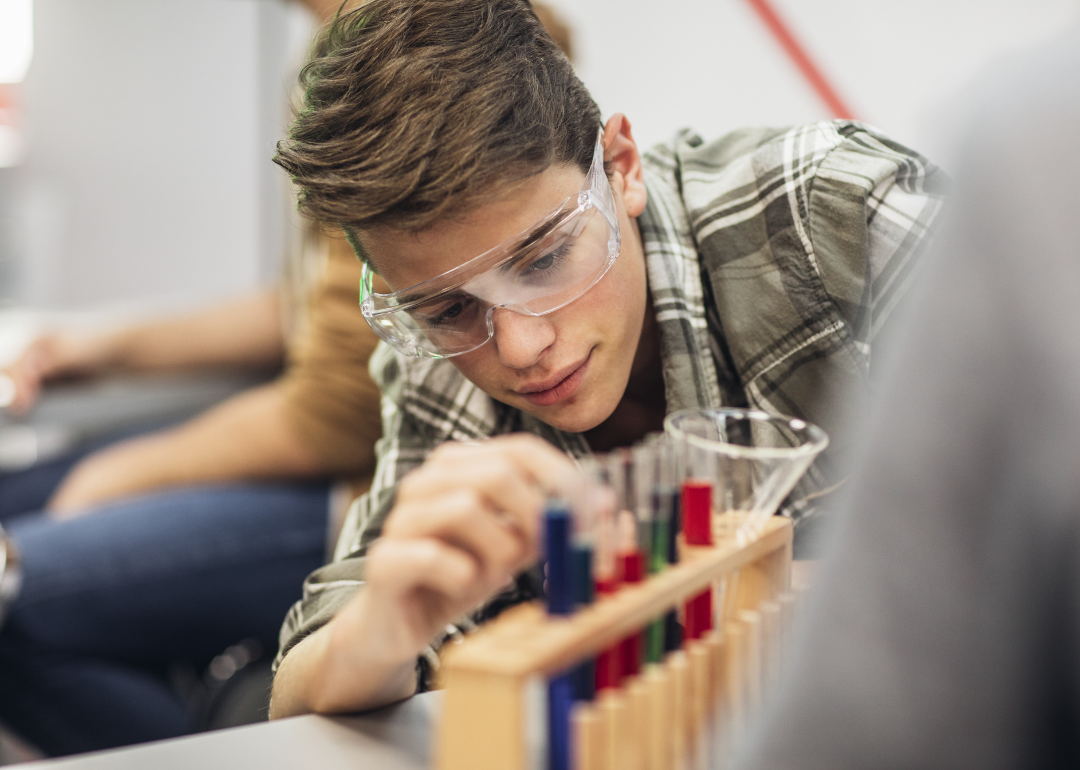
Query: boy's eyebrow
445, 297
525, 242
541, 231
534, 237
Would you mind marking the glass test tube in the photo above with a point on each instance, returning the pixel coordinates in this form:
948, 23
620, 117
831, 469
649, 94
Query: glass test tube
660, 489
629, 558
584, 509
697, 518
633, 539
560, 704
598, 496
675, 470
559, 583
582, 548
623, 658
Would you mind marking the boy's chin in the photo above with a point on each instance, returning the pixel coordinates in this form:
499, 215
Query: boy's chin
573, 417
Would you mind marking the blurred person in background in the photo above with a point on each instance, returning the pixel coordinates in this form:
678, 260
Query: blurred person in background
945, 627
172, 545
127, 552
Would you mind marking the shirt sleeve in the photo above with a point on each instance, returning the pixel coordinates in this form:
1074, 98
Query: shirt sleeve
424, 402
870, 209
331, 400
402, 448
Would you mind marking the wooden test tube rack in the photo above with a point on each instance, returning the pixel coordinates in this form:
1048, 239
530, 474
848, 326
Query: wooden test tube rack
487, 677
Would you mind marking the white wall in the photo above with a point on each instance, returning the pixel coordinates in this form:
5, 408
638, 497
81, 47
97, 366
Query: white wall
150, 126
151, 122
712, 65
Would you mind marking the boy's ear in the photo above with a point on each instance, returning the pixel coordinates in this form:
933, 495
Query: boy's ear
623, 160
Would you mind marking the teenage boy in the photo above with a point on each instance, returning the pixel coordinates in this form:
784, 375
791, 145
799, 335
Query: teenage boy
546, 278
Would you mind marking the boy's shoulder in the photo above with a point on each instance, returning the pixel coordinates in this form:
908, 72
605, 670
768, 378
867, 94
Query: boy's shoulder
756, 157
433, 396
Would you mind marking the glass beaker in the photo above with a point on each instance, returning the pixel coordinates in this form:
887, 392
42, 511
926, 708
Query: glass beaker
752, 460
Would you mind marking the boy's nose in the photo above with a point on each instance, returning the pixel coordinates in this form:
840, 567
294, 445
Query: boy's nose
521, 339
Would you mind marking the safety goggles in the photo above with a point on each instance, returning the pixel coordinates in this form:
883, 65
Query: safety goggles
534, 273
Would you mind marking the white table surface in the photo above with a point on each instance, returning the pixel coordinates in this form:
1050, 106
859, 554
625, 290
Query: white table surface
395, 738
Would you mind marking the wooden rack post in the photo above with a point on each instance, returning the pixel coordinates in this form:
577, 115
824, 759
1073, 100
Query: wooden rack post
495, 679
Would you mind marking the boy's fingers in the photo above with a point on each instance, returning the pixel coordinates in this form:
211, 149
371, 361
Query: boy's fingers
463, 519
516, 473
402, 565
498, 483
545, 464
551, 469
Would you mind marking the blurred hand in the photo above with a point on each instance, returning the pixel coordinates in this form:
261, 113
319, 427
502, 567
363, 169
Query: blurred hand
52, 356
100, 477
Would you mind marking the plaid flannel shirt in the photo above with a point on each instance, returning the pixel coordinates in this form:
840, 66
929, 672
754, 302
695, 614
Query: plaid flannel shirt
775, 259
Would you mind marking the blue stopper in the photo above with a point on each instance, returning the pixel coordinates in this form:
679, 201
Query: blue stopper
560, 570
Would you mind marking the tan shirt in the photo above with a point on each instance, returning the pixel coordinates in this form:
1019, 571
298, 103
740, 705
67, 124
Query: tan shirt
331, 400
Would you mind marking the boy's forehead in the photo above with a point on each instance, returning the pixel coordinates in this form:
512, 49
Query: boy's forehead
404, 258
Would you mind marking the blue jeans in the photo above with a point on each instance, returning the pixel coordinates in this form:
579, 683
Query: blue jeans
111, 599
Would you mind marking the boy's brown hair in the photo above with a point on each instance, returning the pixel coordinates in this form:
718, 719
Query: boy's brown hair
417, 110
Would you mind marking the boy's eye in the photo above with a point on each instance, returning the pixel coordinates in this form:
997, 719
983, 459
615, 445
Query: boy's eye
451, 314
552, 260
543, 263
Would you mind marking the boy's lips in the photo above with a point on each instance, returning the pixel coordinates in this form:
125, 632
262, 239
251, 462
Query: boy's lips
558, 387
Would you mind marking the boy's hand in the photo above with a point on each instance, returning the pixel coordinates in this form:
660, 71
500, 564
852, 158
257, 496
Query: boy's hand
463, 524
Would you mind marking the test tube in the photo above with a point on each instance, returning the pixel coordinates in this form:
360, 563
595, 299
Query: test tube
558, 524
559, 573
665, 493
560, 702
697, 493
598, 494
582, 550
629, 558
587, 502
673, 630
629, 536
649, 459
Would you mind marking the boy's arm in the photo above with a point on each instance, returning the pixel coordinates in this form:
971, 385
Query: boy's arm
462, 525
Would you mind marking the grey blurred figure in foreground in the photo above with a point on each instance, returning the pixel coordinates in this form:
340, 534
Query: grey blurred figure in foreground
945, 631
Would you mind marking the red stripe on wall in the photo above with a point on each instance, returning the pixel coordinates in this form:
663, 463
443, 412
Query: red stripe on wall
801, 59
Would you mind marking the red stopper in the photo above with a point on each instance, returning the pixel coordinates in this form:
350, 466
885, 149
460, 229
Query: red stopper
608, 586
631, 567
697, 512
698, 616
630, 650
609, 668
